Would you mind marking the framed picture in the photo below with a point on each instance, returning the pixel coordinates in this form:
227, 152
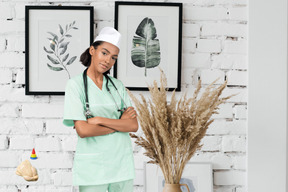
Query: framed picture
151, 39
56, 36
198, 177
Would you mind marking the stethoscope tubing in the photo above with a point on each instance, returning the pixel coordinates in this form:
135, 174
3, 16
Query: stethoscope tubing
88, 113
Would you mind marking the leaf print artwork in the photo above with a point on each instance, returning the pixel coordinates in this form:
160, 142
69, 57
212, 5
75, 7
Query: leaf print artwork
146, 48
58, 46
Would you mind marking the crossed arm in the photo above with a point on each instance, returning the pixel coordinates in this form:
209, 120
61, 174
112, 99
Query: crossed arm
97, 126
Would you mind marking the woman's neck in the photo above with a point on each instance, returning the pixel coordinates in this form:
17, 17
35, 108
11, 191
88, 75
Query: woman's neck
96, 77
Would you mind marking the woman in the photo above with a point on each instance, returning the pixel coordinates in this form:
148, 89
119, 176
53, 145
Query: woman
104, 157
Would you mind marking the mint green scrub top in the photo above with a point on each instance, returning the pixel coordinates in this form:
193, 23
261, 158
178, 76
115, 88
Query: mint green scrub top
100, 159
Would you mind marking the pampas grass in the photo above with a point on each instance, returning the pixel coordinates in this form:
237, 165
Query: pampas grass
173, 131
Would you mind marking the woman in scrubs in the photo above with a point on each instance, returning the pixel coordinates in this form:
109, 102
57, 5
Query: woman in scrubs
104, 158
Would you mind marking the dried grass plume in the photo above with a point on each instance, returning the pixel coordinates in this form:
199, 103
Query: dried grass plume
173, 131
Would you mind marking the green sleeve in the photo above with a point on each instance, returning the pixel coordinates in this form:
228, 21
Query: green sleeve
73, 105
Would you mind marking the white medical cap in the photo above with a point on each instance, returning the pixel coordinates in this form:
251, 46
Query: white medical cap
110, 35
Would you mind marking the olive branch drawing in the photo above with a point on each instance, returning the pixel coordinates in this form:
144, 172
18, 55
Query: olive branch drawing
58, 47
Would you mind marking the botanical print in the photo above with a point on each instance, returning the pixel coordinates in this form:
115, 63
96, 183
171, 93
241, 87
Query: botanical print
58, 46
146, 48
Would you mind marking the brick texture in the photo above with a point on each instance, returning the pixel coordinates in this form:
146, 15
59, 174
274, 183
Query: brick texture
214, 45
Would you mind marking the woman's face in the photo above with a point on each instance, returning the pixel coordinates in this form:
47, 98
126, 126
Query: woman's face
103, 57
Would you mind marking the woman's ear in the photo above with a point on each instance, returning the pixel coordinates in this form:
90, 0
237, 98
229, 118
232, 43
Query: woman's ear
91, 50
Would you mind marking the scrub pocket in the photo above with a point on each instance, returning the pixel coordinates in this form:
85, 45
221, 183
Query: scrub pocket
88, 169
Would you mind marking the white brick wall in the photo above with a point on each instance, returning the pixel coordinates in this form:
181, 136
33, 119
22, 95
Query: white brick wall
224, 29
214, 42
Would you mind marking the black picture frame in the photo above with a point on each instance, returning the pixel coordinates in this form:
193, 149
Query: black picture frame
166, 20
55, 37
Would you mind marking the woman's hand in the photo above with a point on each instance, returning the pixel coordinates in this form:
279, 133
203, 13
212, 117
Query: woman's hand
129, 113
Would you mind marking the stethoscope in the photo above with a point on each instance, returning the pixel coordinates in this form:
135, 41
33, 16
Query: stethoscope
88, 113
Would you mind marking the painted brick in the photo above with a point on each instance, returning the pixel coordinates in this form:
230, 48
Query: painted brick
9, 110
16, 60
225, 111
240, 94
210, 75
209, 45
55, 126
230, 178
189, 45
56, 99
41, 99
69, 143
138, 188
217, 127
8, 93
49, 143
6, 10
240, 2
42, 110
51, 188
9, 159
19, 126
44, 178
55, 1
2, 44
139, 177
20, 77
140, 160
238, 13
62, 178
103, 10
33, 126
237, 127
20, 10
197, 60
8, 177
50, 160
221, 161
233, 143
100, 24
21, 142
15, 26
6, 125
224, 29
239, 162
3, 142
235, 47
233, 2
9, 189
187, 76
237, 77
204, 13
240, 111
5, 76
206, 19
211, 143
16, 43
202, 157
190, 30
225, 61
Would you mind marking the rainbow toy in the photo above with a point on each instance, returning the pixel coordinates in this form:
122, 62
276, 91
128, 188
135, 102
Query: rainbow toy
33, 155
